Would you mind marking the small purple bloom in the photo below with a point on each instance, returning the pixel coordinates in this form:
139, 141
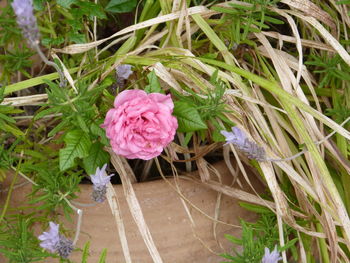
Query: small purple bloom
56, 243
271, 257
123, 71
64, 247
26, 20
99, 180
51, 238
238, 138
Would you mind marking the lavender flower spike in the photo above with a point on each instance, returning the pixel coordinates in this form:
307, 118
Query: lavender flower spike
238, 138
271, 257
56, 243
51, 238
65, 247
26, 20
99, 180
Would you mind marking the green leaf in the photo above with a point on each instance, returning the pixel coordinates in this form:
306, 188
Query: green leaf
85, 252
103, 256
244, 7
44, 113
7, 118
343, 2
47, 41
38, 5
34, 154
11, 129
217, 136
188, 137
98, 131
97, 158
82, 124
66, 3
153, 83
58, 127
255, 208
2, 91
89, 9
289, 244
76, 38
78, 144
121, 6
188, 117
233, 239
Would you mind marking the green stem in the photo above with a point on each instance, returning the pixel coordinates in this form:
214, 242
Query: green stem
33, 82
52, 64
323, 245
7, 202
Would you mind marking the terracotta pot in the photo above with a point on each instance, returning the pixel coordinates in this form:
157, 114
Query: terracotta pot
174, 236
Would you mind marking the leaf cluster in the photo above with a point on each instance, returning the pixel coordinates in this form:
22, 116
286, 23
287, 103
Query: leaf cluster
51, 185
332, 70
79, 120
242, 19
7, 122
255, 237
16, 60
68, 20
17, 241
199, 111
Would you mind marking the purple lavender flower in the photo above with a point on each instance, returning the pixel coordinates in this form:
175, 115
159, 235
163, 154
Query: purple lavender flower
271, 257
123, 71
56, 243
50, 239
238, 138
26, 20
99, 180
64, 247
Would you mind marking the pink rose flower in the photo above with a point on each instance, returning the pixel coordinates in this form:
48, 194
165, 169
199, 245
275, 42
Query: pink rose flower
140, 125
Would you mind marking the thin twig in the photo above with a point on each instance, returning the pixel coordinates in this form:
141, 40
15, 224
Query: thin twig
80, 217
50, 63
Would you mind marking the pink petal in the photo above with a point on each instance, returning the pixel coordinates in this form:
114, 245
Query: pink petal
127, 95
161, 98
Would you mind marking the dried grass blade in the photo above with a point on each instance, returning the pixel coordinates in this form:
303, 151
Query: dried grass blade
115, 209
80, 48
281, 236
304, 42
162, 73
312, 10
25, 100
66, 73
134, 207
276, 89
326, 35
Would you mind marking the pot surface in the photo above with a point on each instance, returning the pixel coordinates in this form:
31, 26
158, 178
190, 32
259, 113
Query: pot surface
176, 239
